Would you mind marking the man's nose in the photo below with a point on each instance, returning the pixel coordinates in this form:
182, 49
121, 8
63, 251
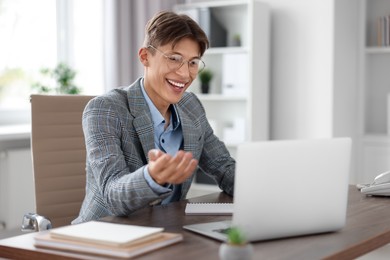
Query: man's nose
184, 69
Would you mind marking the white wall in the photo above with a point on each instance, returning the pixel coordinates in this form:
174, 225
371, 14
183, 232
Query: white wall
311, 73
301, 68
345, 68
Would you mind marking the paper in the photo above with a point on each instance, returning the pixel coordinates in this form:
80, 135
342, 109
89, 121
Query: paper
104, 233
209, 209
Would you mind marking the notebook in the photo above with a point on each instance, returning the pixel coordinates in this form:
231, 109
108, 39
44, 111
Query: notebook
209, 208
287, 188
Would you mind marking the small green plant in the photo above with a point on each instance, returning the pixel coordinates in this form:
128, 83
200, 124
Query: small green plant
58, 80
236, 40
205, 76
235, 236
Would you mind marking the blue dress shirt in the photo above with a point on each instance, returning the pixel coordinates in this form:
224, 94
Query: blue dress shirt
168, 140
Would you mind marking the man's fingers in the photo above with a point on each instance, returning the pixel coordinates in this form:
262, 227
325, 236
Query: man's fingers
154, 154
164, 168
158, 167
183, 169
191, 167
183, 175
184, 161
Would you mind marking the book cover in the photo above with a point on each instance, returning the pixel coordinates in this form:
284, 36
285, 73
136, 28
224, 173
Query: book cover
157, 241
234, 76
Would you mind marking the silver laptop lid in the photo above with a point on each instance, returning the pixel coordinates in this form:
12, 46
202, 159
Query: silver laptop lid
290, 188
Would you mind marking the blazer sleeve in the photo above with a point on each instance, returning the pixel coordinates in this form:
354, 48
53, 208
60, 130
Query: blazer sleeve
114, 172
216, 161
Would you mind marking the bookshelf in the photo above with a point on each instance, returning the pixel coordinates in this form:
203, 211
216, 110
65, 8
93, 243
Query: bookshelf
249, 102
237, 105
374, 90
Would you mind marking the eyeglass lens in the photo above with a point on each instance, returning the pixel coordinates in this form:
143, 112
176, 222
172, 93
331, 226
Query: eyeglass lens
176, 61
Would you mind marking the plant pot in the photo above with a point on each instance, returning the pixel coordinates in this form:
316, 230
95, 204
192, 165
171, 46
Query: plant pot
235, 252
236, 42
205, 88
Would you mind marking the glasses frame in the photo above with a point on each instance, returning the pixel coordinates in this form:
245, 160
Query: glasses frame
184, 60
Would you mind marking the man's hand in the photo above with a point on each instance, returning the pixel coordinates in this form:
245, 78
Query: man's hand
164, 168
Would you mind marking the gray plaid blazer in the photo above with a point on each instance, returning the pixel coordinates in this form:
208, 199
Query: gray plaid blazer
118, 132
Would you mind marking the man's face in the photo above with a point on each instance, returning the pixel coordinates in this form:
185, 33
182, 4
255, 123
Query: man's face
163, 84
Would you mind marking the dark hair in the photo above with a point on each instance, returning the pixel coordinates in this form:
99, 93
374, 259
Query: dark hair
168, 27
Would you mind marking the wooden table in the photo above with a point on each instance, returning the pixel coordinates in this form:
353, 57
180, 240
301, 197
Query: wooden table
367, 228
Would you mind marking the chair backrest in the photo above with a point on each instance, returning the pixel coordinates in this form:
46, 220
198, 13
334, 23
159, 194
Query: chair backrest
58, 153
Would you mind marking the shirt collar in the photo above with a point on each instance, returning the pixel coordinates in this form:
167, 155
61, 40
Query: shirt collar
156, 115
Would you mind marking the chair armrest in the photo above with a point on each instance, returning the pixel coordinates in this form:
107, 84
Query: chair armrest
35, 222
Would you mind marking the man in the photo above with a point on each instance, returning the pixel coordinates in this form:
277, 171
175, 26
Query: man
145, 142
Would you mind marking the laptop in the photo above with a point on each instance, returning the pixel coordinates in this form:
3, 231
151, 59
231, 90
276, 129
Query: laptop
287, 188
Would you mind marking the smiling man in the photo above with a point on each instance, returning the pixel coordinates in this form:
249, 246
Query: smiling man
146, 142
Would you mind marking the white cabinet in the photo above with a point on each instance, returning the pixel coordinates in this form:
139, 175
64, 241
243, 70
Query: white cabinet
16, 188
16, 178
238, 102
374, 89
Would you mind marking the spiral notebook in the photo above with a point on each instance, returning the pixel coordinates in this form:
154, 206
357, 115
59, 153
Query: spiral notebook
209, 209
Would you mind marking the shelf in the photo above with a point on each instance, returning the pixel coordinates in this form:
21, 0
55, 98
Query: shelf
378, 50
219, 97
212, 4
373, 146
231, 145
377, 138
226, 50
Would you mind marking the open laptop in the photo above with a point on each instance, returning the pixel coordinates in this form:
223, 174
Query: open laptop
287, 188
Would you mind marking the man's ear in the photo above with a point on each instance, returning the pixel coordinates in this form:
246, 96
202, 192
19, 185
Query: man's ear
143, 56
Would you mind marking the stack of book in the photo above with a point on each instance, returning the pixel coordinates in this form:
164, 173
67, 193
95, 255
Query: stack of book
383, 31
106, 239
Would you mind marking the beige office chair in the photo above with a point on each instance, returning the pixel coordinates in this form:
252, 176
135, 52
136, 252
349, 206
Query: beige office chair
58, 152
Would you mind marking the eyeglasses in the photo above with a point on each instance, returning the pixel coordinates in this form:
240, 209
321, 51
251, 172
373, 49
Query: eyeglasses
176, 61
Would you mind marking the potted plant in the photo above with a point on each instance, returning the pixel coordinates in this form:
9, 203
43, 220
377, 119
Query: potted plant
205, 77
236, 248
236, 40
58, 80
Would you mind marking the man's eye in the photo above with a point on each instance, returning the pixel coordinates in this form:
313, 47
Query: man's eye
175, 58
194, 63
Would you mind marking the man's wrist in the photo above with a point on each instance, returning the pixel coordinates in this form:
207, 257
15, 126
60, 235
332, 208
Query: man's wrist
156, 187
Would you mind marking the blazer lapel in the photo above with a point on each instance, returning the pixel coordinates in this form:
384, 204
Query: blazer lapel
192, 136
142, 121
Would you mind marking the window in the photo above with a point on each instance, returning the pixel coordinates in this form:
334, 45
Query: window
87, 46
40, 34
27, 43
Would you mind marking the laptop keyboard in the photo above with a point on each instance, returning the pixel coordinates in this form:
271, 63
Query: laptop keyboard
222, 230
